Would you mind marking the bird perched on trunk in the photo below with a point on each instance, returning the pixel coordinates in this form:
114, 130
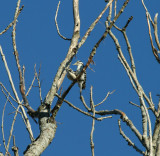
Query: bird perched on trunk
72, 75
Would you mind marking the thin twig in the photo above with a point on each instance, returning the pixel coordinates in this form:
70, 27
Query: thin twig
156, 31
57, 23
93, 121
9, 74
8, 99
154, 24
128, 73
78, 109
93, 25
109, 93
130, 143
4, 142
39, 83
8, 92
110, 13
11, 24
16, 95
23, 77
21, 80
14, 147
124, 118
134, 104
29, 89
84, 103
11, 130
115, 8
138, 86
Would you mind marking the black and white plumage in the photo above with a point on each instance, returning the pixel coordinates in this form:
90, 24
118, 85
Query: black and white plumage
72, 75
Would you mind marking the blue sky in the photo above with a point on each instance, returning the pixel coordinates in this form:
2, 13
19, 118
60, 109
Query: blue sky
38, 43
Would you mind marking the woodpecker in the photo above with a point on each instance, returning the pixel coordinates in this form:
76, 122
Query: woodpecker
72, 75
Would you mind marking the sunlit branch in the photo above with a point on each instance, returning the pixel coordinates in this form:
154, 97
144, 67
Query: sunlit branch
11, 130
39, 83
134, 104
84, 103
29, 89
78, 109
115, 7
130, 143
15, 93
57, 23
8, 92
109, 93
2, 126
11, 24
93, 122
14, 147
66, 62
93, 25
139, 89
154, 24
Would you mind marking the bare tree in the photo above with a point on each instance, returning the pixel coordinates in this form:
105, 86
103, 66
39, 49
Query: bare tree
150, 140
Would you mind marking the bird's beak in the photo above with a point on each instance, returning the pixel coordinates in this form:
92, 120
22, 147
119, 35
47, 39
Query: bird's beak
75, 64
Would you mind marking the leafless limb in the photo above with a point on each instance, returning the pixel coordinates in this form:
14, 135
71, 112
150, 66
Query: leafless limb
8, 92
29, 89
4, 142
124, 119
39, 83
9, 74
110, 12
14, 147
130, 143
8, 99
93, 25
156, 31
158, 109
93, 52
71, 53
158, 145
57, 23
109, 93
115, 8
134, 104
91, 109
15, 93
21, 83
84, 103
78, 109
154, 24
93, 122
23, 77
11, 24
21, 80
11, 130
130, 77
138, 88
150, 98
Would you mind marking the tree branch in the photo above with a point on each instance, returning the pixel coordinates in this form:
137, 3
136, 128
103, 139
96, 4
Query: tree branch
130, 143
71, 52
57, 23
